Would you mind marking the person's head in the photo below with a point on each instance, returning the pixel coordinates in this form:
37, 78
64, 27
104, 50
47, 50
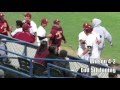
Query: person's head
42, 47
43, 44
26, 27
52, 49
88, 29
19, 24
27, 16
96, 22
56, 22
44, 22
63, 53
1, 16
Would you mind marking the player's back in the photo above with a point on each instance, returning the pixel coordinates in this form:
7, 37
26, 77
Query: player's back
25, 36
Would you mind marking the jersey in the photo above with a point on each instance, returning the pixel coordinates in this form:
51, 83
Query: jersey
82, 36
25, 36
56, 38
42, 33
91, 40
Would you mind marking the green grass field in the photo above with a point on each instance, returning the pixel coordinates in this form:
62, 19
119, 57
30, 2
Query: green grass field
72, 25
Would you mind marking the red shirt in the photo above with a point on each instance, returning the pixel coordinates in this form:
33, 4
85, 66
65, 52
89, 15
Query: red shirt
41, 55
56, 38
2, 27
25, 36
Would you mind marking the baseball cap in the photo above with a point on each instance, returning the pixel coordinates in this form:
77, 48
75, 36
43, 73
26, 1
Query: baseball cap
28, 15
56, 21
88, 28
44, 21
26, 26
1, 14
85, 24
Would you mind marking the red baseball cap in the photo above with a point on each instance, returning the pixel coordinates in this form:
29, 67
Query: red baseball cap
56, 21
28, 15
1, 14
85, 24
26, 26
88, 28
44, 21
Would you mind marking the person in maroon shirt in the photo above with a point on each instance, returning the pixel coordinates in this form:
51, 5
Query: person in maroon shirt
25, 35
56, 35
42, 52
4, 27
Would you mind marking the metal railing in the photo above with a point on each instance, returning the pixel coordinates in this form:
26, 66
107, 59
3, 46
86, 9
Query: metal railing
24, 55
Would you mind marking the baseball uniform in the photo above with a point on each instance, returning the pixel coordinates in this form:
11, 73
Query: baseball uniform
42, 33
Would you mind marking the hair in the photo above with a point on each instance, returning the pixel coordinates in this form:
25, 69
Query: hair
52, 49
63, 53
1, 19
42, 47
19, 23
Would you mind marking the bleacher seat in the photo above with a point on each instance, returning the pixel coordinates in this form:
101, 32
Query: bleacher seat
38, 69
24, 65
56, 73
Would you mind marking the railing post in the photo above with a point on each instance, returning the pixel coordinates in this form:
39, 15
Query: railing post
89, 69
25, 50
31, 68
89, 52
48, 69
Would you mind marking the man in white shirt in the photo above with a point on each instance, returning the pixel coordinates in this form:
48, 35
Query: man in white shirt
104, 34
82, 38
33, 25
82, 41
41, 31
18, 27
92, 42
